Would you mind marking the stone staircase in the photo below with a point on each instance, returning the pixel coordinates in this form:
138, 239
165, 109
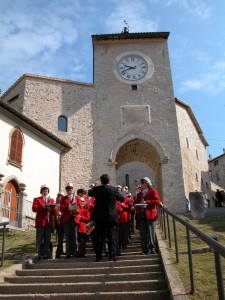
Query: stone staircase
132, 276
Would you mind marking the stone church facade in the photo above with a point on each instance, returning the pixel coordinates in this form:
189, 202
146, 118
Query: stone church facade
127, 123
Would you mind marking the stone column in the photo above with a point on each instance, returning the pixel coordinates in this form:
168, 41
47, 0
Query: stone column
22, 222
2, 189
198, 205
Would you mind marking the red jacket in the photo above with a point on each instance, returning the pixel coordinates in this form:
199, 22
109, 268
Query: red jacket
64, 208
125, 214
152, 199
118, 209
42, 216
82, 218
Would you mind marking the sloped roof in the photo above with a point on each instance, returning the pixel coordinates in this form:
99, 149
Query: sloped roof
28, 75
8, 110
131, 36
194, 120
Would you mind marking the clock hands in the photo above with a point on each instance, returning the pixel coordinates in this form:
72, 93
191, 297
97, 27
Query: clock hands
129, 67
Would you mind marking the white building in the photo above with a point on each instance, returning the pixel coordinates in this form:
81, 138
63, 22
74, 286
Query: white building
30, 156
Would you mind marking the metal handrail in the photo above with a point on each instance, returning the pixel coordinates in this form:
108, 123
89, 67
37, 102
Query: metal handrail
4, 224
212, 242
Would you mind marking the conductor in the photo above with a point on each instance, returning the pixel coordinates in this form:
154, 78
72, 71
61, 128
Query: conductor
105, 216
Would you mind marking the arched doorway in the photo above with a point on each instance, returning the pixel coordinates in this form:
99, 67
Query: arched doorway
11, 202
138, 158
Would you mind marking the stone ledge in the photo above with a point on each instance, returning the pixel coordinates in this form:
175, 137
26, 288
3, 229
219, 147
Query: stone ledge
176, 287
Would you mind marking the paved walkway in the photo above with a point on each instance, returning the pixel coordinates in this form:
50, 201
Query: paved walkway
217, 211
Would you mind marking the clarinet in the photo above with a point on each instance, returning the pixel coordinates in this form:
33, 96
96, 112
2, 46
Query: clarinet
48, 211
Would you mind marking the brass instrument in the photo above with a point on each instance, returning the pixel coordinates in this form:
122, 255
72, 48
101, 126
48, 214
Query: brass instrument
48, 211
90, 227
73, 205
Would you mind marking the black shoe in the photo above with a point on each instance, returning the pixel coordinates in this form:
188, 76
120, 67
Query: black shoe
68, 256
99, 258
153, 251
119, 254
76, 255
112, 258
144, 253
38, 258
45, 257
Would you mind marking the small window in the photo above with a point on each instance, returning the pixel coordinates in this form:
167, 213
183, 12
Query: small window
127, 183
207, 185
134, 87
196, 176
16, 147
196, 152
217, 177
216, 163
187, 142
62, 123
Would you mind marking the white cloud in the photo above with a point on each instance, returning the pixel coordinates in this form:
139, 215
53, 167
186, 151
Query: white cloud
211, 81
135, 13
197, 8
191, 84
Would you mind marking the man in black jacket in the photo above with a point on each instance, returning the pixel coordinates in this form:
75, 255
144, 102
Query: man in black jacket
105, 216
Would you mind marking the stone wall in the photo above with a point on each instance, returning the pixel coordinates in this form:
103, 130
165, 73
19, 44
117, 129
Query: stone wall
195, 166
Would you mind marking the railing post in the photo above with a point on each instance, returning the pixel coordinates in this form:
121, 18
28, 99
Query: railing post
175, 240
219, 275
3, 241
168, 227
190, 260
164, 223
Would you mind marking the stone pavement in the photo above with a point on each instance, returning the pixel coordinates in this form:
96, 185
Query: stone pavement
217, 211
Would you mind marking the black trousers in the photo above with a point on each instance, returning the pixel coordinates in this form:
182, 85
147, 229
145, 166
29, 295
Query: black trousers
105, 230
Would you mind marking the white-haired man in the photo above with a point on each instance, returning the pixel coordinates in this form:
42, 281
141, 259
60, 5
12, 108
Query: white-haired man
146, 201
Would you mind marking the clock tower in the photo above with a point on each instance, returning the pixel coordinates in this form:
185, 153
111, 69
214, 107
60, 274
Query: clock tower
135, 123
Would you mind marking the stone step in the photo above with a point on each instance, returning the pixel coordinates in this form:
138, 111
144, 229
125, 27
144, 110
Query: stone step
127, 295
78, 287
91, 270
84, 263
103, 277
133, 276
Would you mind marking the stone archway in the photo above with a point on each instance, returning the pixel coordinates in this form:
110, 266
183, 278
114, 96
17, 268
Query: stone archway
139, 158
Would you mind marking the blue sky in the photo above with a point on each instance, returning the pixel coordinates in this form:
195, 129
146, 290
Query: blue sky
53, 38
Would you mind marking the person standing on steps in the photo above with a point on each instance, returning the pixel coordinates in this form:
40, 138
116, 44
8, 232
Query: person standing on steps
44, 207
146, 202
69, 206
59, 226
105, 216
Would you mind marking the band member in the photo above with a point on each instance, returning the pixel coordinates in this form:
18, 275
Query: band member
59, 226
44, 208
124, 223
69, 207
147, 215
82, 218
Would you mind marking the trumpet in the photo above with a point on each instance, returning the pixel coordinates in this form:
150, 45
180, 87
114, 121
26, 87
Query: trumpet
58, 218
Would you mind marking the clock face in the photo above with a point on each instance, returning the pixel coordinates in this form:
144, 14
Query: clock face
132, 67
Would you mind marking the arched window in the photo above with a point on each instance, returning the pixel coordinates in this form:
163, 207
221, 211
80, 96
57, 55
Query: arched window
62, 123
16, 147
